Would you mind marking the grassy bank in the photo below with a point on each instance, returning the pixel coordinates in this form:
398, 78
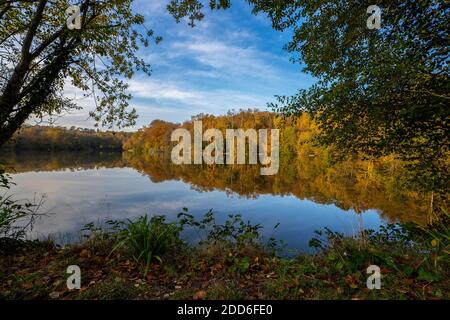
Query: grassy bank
147, 259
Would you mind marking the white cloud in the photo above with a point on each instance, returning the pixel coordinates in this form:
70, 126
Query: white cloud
176, 102
151, 7
168, 91
227, 58
155, 89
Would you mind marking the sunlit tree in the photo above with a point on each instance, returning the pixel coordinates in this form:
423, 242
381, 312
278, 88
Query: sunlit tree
39, 55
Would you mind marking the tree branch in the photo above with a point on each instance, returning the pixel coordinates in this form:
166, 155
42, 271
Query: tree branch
32, 30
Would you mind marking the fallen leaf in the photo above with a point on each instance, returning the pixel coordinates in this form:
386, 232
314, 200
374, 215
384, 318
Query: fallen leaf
84, 253
27, 285
200, 295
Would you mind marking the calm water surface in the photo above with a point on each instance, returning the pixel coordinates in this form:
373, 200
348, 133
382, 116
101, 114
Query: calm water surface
82, 188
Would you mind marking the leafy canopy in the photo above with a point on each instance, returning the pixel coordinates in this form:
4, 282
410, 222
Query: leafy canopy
39, 55
379, 91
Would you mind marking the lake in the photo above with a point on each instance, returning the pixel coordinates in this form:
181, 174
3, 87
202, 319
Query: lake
304, 196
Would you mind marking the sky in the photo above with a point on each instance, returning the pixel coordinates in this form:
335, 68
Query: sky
232, 59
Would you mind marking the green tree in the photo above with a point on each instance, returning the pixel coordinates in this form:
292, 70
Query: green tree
379, 91
39, 54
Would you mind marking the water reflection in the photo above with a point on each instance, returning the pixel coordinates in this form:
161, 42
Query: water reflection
304, 196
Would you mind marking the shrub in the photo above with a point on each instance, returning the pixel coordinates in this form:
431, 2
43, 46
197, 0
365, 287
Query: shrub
148, 239
16, 217
234, 231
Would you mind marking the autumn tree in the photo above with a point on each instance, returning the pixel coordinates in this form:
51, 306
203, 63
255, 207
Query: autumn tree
39, 55
46, 138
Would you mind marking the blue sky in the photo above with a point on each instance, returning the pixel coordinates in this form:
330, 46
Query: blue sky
230, 60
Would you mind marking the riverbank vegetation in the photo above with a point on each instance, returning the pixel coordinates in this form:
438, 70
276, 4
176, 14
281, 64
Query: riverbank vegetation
148, 258
49, 138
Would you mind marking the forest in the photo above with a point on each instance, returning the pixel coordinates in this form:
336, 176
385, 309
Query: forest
299, 139
50, 138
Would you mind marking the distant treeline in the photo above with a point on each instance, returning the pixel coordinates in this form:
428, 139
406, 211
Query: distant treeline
47, 138
298, 138
296, 133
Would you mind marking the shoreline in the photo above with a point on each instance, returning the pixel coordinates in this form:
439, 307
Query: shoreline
412, 265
